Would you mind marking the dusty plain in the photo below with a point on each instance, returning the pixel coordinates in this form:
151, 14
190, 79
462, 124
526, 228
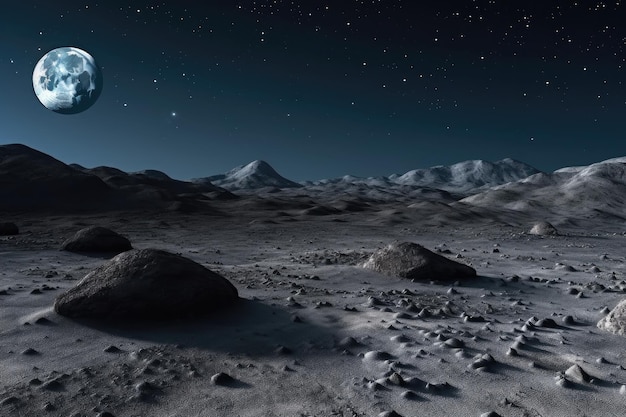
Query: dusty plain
315, 334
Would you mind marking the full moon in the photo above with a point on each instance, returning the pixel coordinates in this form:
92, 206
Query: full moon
67, 80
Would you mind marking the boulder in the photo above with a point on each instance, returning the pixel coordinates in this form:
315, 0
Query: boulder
147, 284
413, 261
615, 321
96, 239
543, 229
8, 229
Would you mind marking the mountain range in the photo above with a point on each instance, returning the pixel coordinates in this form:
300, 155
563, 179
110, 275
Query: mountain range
595, 190
32, 180
464, 177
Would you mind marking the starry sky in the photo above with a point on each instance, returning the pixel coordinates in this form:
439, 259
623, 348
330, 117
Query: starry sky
321, 89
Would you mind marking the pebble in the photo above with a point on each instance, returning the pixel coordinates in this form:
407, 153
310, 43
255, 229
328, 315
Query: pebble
391, 413
112, 349
221, 379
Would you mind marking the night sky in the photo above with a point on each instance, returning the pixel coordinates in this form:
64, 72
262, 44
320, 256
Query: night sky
321, 89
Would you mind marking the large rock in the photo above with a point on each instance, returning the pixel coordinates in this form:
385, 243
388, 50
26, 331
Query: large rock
615, 321
96, 239
413, 261
147, 284
543, 229
8, 229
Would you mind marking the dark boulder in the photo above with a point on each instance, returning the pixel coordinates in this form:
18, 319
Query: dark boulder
8, 229
147, 284
96, 239
413, 261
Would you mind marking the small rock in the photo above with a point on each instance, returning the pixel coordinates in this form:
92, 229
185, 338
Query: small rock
453, 342
144, 386
543, 228
112, 349
221, 379
563, 382
52, 385
474, 319
490, 414
9, 401
283, 350
400, 339
577, 373
30, 352
348, 342
375, 386
377, 355
396, 379
548, 323
391, 413
512, 352
373, 301
409, 395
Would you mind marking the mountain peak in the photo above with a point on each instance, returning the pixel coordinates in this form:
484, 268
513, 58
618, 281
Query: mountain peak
254, 175
257, 167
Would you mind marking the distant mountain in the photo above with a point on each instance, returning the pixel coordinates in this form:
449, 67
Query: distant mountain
255, 175
31, 180
463, 178
152, 182
153, 173
468, 175
595, 190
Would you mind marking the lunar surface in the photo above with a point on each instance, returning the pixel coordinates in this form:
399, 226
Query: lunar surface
67, 80
313, 332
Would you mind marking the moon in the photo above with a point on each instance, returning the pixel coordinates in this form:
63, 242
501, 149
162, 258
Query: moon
67, 80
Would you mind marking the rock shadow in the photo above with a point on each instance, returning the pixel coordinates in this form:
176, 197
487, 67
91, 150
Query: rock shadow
105, 256
249, 327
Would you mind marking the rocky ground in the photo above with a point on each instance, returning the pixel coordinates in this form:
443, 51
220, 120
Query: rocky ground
314, 333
